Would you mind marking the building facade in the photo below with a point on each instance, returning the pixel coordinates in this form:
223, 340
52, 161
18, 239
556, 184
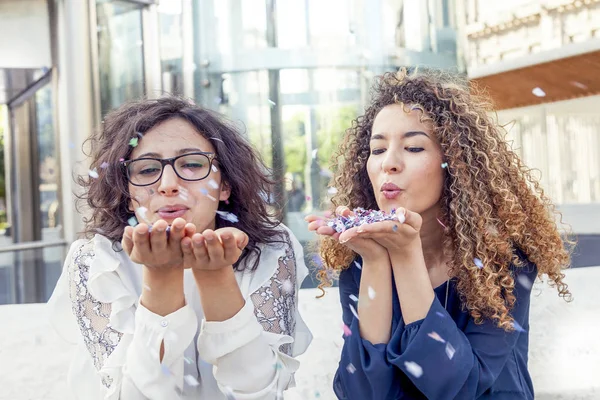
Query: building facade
292, 73
540, 62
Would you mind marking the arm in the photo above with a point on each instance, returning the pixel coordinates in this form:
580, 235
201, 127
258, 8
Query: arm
124, 341
252, 350
468, 362
363, 372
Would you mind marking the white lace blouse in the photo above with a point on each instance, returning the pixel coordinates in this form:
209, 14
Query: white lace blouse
95, 305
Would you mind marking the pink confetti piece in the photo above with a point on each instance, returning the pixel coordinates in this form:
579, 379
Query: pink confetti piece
347, 331
188, 172
121, 159
435, 336
413, 368
104, 165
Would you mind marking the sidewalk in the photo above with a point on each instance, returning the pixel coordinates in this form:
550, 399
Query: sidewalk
564, 349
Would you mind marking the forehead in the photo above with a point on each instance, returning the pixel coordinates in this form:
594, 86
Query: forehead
394, 118
169, 136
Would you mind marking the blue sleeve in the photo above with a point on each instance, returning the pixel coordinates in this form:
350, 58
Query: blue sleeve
459, 364
363, 372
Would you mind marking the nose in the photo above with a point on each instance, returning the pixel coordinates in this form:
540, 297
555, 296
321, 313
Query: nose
169, 182
392, 162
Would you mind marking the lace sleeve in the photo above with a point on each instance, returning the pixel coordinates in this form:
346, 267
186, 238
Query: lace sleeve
275, 301
92, 316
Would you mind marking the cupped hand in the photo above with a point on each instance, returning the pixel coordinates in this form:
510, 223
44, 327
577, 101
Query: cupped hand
366, 247
397, 237
213, 250
152, 246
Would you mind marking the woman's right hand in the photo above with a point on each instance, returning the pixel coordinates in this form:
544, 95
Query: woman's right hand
154, 248
368, 249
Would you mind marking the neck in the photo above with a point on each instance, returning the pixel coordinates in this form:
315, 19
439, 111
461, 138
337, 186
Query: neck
432, 239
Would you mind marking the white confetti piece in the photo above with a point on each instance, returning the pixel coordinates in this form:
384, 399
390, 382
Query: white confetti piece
287, 286
228, 216
215, 169
450, 350
132, 221
188, 360
413, 368
357, 265
401, 217
353, 311
213, 184
190, 380
436, 336
478, 263
517, 327
351, 368
147, 287
353, 298
440, 314
104, 165
271, 102
141, 211
445, 165
332, 190
524, 281
93, 173
371, 292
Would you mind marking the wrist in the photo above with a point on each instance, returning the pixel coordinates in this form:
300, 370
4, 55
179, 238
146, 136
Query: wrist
213, 277
162, 290
406, 253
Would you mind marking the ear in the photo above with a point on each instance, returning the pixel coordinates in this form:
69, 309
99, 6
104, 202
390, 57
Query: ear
225, 191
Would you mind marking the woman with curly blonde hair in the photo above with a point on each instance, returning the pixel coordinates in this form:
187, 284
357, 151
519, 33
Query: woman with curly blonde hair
436, 302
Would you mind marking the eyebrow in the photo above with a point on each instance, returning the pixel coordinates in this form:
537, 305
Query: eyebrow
181, 151
406, 135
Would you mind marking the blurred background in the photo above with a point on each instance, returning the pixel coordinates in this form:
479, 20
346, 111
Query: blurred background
293, 74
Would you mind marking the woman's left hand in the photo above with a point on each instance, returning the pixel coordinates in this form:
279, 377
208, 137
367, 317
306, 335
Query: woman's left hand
397, 237
213, 250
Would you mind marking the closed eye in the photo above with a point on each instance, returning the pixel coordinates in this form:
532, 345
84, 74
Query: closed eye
377, 151
415, 149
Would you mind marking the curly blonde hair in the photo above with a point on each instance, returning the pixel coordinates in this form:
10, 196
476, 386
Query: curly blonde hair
492, 205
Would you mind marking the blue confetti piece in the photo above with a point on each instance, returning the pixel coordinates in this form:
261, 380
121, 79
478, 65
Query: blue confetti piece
517, 327
478, 263
440, 314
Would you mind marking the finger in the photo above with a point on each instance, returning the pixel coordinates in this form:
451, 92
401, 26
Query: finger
342, 211
326, 230
199, 248
409, 218
141, 239
314, 225
311, 217
214, 246
127, 241
190, 229
177, 232
241, 239
189, 258
158, 236
230, 249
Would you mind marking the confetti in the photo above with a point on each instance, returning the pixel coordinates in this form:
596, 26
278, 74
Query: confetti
140, 135
314, 153
308, 198
213, 184
435, 336
402, 218
271, 102
121, 159
287, 286
440, 314
188, 172
332, 190
188, 360
142, 212
371, 292
450, 350
215, 169
351, 368
524, 281
93, 173
147, 287
353, 298
133, 142
104, 165
190, 380
278, 366
357, 265
517, 327
478, 263
132, 221
445, 165
227, 216
395, 228
413, 368
347, 331
165, 370
353, 311
361, 217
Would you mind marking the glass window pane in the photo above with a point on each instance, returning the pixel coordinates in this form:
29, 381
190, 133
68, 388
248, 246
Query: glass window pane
120, 53
171, 45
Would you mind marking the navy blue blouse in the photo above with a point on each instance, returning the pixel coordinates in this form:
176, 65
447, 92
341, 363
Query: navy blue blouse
443, 356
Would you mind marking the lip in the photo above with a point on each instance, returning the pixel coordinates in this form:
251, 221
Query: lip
172, 212
390, 191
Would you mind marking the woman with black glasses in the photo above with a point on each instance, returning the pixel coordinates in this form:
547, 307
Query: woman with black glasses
186, 286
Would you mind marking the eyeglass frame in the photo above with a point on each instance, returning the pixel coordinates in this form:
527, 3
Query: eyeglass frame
170, 161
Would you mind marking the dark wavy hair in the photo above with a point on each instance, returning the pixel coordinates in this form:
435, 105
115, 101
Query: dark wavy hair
492, 206
241, 168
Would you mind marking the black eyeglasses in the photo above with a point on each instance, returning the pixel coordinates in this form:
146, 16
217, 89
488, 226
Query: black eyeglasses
189, 167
